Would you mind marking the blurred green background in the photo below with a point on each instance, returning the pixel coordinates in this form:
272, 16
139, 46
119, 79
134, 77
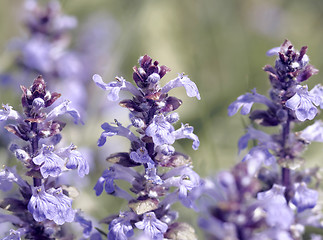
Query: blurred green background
220, 44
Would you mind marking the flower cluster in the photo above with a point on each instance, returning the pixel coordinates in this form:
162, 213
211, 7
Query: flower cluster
159, 176
266, 196
41, 205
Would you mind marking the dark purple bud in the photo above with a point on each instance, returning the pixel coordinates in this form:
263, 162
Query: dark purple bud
136, 76
163, 70
172, 103
51, 98
264, 118
302, 53
145, 62
307, 73
13, 205
152, 69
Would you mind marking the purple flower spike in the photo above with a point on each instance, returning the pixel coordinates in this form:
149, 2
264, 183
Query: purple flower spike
114, 88
51, 164
64, 210
182, 81
304, 197
75, 160
246, 101
186, 131
7, 113
42, 205
302, 103
120, 228
62, 109
110, 131
152, 227
161, 131
141, 156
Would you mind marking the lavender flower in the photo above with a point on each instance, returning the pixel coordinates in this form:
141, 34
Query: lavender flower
51, 164
151, 114
152, 227
254, 201
44, 205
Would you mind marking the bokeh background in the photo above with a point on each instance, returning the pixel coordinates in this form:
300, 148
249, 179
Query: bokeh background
220, 44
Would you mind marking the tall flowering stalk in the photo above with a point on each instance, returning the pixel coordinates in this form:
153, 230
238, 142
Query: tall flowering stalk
165, 176
41, 205
268, 194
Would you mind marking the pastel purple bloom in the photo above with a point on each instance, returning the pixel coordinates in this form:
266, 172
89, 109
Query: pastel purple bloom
110, 131
317, 90
42, 205
246, 101
50, 163
186, 131
37, 54
182, 81
106, 181
152, 226
304, 198
64, 210
260, 154
63, 108
265, 140
85, 224
120, 228
8, 176
153, 78
141, 156
279, 215
182, 177
303, 103
313, 133
272, 52
75, 160
273, 234
185, 179
114, 88
151, 174
6, 180
7, 113
172, 117
15, 234
161, 131
276, 194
